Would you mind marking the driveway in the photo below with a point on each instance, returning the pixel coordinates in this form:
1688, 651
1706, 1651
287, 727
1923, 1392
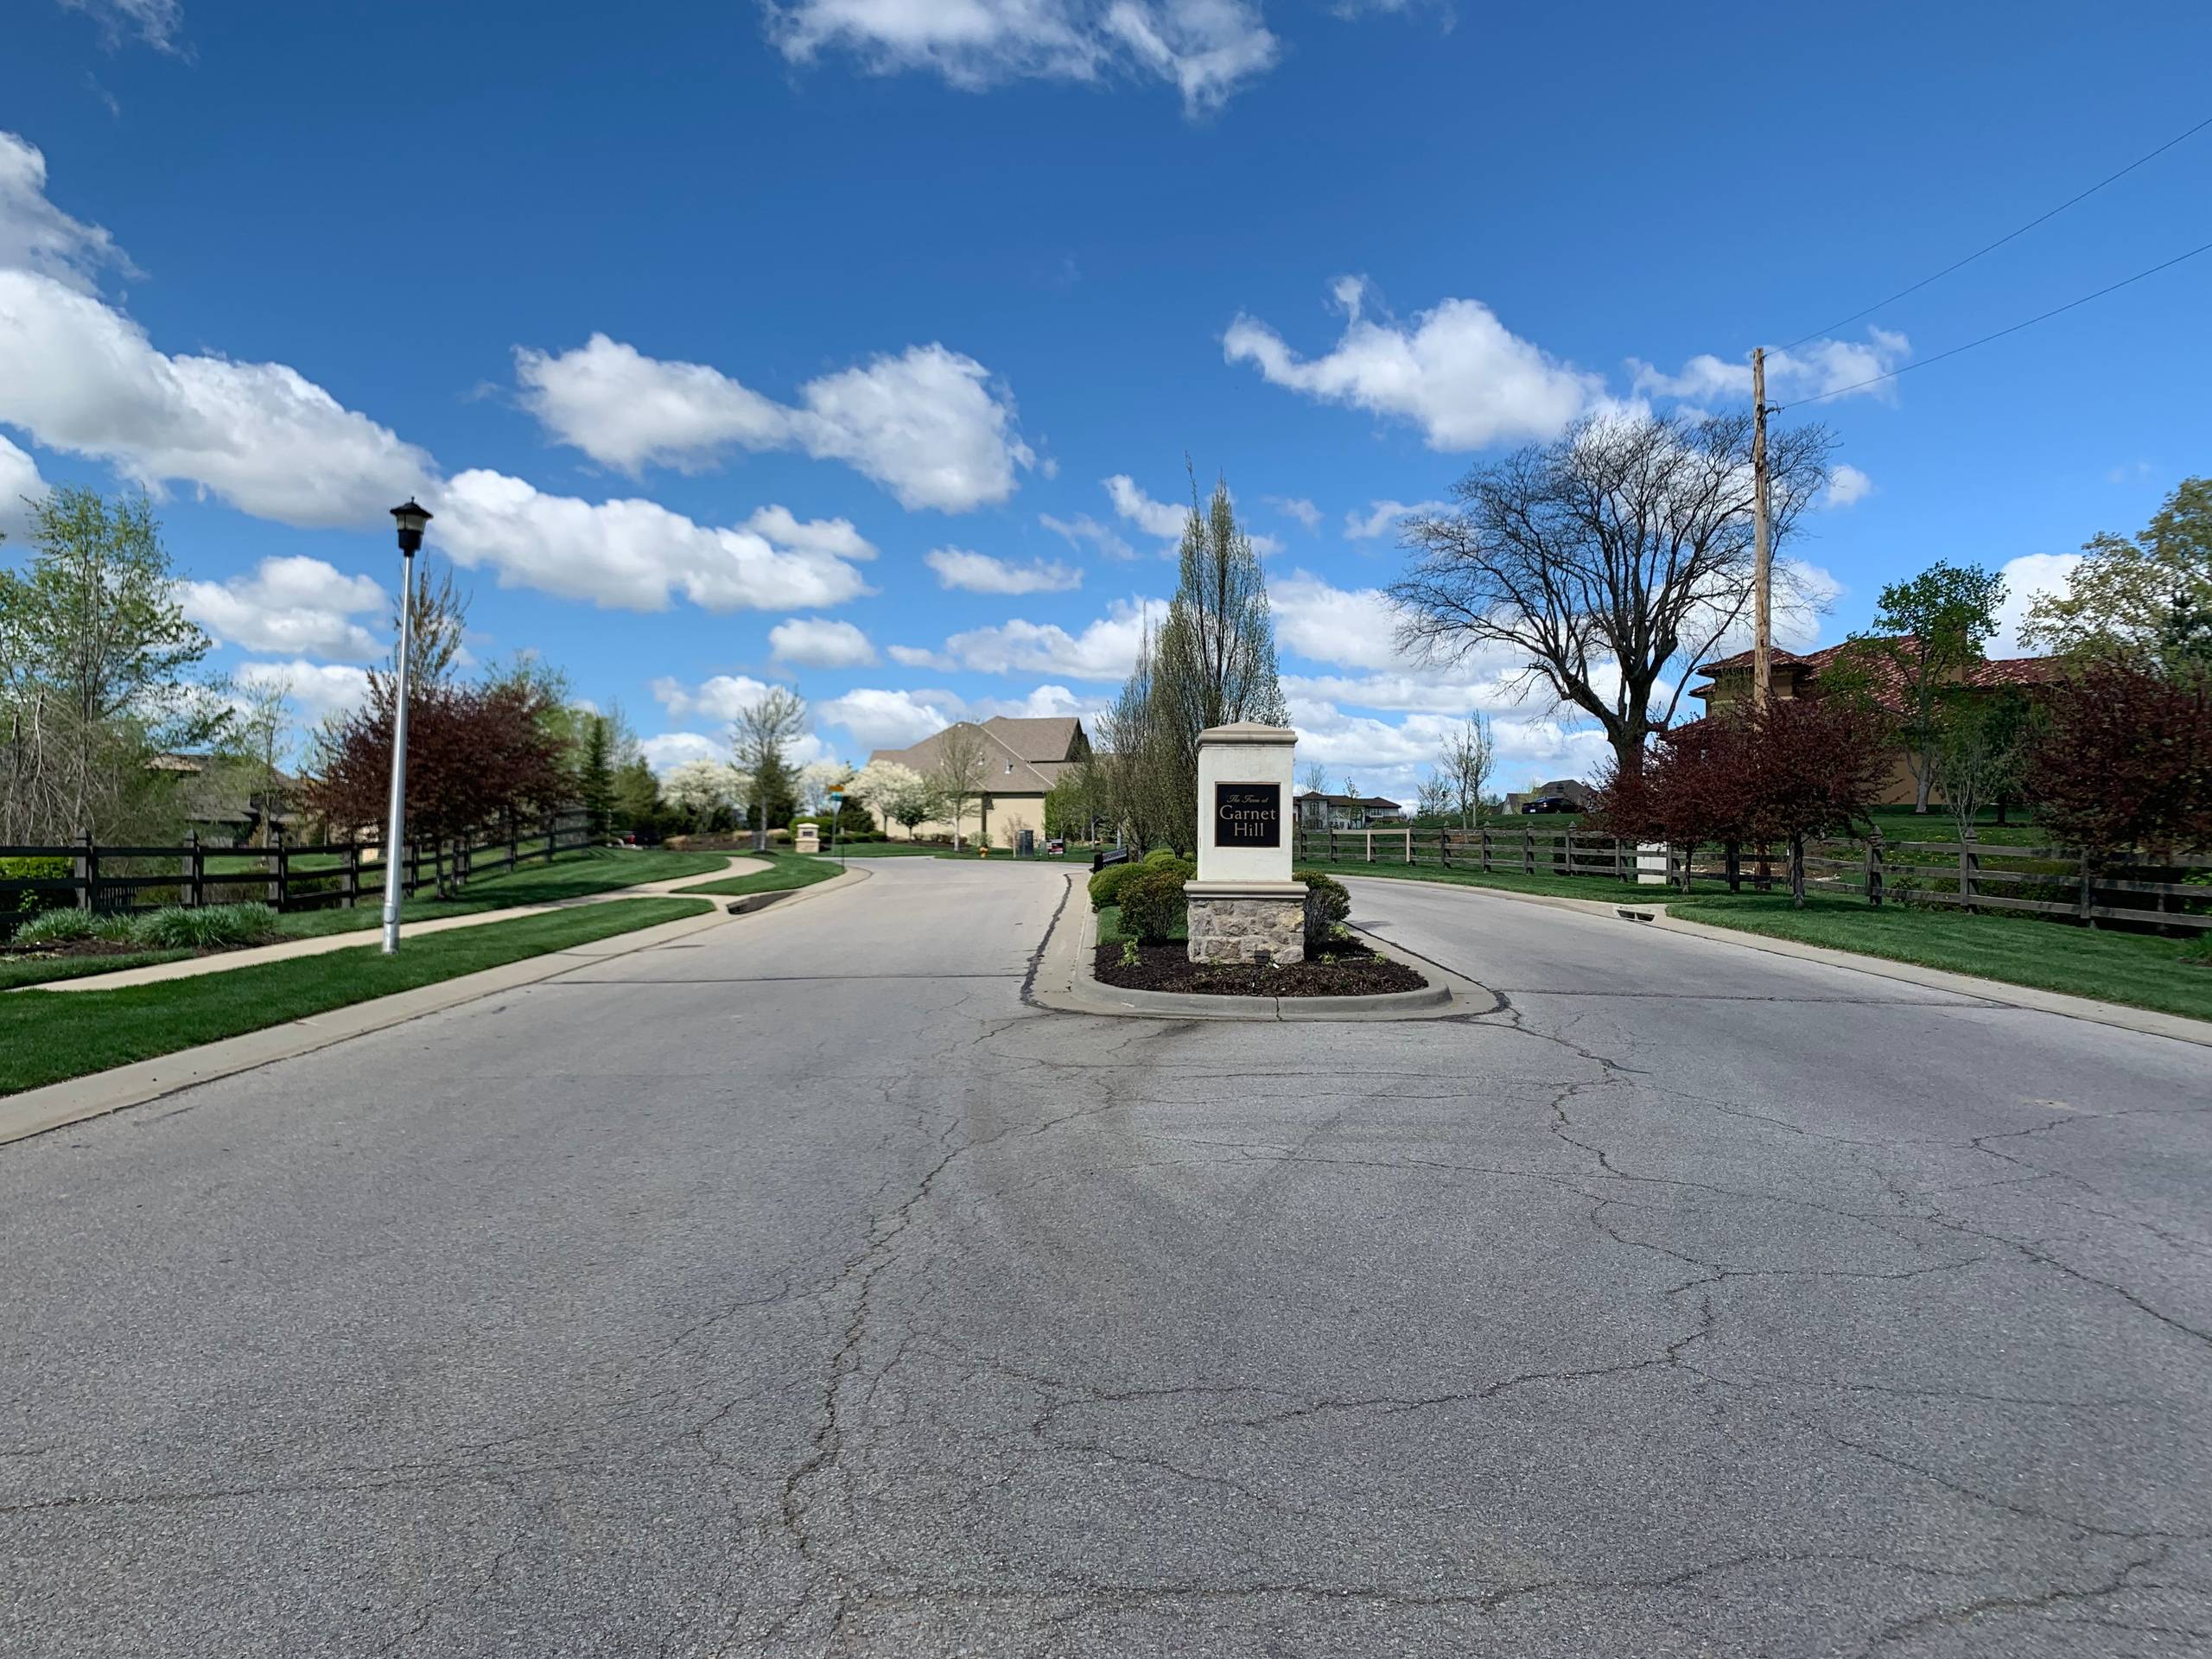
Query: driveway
799, 1288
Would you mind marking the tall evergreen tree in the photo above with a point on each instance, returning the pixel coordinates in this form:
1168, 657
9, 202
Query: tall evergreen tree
595, 773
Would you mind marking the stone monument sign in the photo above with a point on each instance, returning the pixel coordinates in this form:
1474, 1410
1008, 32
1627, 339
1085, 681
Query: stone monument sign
1244, 908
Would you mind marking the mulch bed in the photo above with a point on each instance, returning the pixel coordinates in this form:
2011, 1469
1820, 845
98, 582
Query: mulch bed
1355, 970
80, 948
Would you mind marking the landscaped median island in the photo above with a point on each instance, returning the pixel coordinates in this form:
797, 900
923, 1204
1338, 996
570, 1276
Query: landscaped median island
48, 1037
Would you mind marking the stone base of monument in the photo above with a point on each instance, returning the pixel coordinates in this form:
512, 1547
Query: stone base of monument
1249, 922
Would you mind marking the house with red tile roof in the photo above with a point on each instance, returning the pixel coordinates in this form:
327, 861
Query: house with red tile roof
1800, 676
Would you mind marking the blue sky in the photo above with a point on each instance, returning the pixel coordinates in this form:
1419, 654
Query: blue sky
857, 345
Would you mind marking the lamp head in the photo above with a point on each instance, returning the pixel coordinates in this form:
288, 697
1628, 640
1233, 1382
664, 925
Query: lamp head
411, 517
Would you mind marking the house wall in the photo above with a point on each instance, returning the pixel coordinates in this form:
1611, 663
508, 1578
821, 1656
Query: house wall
1009, 816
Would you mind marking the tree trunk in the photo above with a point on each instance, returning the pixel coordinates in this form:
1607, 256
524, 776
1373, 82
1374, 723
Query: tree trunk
1733, 853
1797, 872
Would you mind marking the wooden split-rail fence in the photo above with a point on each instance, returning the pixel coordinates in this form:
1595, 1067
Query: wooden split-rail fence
2055, 882
123, 880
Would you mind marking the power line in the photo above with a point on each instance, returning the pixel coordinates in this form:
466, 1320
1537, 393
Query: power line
1921, 363
2002, 240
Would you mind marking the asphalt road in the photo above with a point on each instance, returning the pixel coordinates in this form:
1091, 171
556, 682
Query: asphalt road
800, 1289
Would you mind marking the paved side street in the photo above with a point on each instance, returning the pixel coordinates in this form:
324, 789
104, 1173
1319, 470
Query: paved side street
802, 1290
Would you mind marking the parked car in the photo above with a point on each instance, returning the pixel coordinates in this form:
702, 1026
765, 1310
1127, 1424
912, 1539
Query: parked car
1550, 803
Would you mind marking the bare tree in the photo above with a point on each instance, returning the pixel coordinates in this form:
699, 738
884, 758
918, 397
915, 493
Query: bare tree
259, 737
961, 763
758, 737
1313, 777
1603, 560
441, 620
1469, 758
1432, 796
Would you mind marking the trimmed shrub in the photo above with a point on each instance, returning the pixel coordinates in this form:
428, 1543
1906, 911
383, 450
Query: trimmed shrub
209, 927
38, 869
1152, 905
1327, 900
1106, 884
1162, 855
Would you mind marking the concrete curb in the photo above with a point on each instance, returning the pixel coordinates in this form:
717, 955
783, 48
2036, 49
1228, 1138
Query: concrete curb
223, 961
36, 1110
2001, 993
1074, 989
746, 904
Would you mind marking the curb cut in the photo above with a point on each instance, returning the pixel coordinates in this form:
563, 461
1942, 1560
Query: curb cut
1450, 996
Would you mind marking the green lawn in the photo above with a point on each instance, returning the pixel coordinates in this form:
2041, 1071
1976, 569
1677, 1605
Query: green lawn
45, 1037
934, 849
2136, 969
1109, 927
786, 874
572, 875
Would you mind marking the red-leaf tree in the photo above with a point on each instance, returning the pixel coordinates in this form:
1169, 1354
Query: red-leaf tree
2124, 759
1817, 766
475, 753
1694, 786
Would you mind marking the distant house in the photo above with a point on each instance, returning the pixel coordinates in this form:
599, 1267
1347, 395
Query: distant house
1572, 794
1023, 759
225, 801
1317, 810
1798, 676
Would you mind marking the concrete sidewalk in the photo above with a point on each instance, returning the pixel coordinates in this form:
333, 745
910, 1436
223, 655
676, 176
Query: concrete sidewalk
223, 961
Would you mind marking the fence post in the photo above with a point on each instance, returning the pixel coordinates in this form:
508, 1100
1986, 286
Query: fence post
279, 871
552, 835
1443, 846
514, 839
1482, 846
2089, 892
1969, 863
1571, 870
1874, 868
353, 873
88, 871
1528, 854
189, 888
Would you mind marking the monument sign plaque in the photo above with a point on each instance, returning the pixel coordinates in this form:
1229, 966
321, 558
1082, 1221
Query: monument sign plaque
1247, 814
1244, 908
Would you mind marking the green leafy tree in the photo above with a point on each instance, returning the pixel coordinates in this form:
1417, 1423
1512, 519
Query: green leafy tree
99, 671
2149, 597
1927, 641
595, 774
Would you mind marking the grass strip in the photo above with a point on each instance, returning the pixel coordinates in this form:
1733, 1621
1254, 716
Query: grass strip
48, 1038
44, 970
2139, 970
785, 875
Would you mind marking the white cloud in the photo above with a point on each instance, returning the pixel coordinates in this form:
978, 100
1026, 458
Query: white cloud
672, 749
79, 376
1847, 486
1326, 624
1105, 650
1817, 368
37, 237
297, 604
1083, 528
2027, 578
1456, 371
1205, 49
928, 424
631, 554
887, 720
1388, 757
1297, 507
1381, 518
979, 573
921, 656
721, 698
818, 642
1161, 519
155, 22
316, 688
20, 486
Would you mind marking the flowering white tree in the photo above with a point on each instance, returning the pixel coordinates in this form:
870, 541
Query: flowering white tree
702, 785
816, 779
897, 794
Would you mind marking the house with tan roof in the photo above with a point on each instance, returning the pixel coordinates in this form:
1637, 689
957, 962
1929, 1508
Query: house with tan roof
1022, 759
1796, 676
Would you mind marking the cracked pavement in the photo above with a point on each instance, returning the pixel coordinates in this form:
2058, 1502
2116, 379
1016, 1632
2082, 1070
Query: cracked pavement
800, 1288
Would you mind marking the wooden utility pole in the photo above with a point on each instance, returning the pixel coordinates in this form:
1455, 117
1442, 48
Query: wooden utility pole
1762, 543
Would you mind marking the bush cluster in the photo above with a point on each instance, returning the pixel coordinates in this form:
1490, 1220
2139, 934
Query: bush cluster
174, 927
1328, 903
1152, 905
1106, 885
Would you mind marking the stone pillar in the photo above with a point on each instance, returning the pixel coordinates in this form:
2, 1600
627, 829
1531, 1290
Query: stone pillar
1244, 908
